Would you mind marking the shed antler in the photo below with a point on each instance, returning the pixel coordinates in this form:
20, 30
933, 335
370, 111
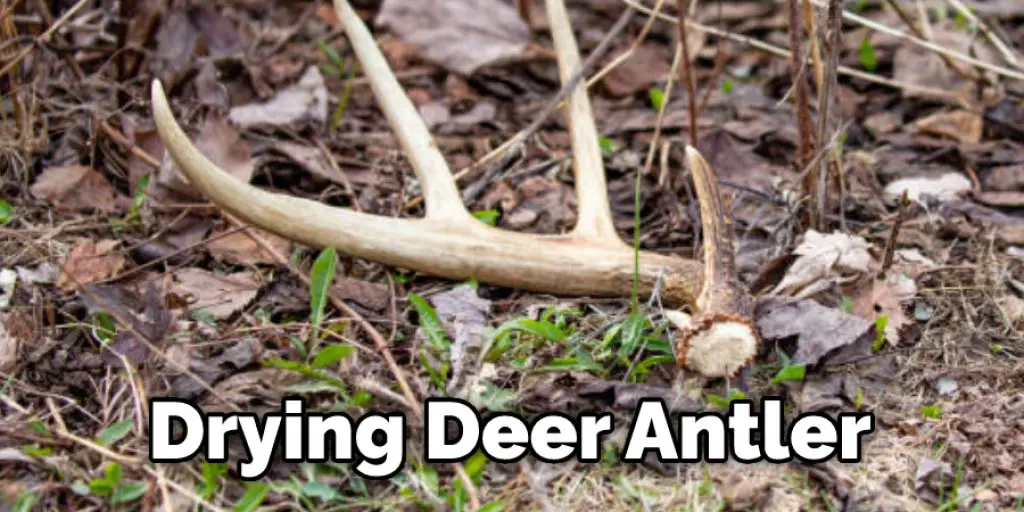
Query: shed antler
449, 242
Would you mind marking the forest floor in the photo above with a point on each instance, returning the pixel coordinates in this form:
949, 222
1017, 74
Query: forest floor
119, 283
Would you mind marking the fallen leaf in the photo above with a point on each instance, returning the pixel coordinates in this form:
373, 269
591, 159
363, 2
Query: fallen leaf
311, 159
176, 40
959, 125
221, 36
240, 249
1001, 199
648, 64
365, 293
148, 321
464, 315
885, 297
434, 113
44, 273
824, 259
459, 35
481, 112
946, 187
819, 331
1009, 178
303, 102
920, 66
75, 187
219, 142
218, 295
91, 261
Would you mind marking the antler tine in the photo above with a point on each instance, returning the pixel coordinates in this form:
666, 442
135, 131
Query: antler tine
594, 219
720, 339
439, 190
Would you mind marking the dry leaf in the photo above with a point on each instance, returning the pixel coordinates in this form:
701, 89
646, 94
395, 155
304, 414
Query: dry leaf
222, 145
459, 35
1001, 199
75, 187
943, 188
1005, 179
240, 249
825, 259
648, 64
311, 159
819, 330
920, 66
90, 262
885, 297
219, 295
8, 282
302, 102
960, 125
365, 293
464, 315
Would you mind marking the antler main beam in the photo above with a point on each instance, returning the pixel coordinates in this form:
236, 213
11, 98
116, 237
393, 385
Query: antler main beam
448, 242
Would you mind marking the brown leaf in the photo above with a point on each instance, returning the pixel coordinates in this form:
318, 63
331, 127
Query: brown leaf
219, 295
75, 187
10, 345
148, 320
824, 259
1001, 199
959, 125
222, 38
1005, 179
90, 262
177, 40
219, 142
649, 63
459, 35
306, 101
365, 293
921, 66
311, 159
240, 249
946, 187
879, 297
819, 331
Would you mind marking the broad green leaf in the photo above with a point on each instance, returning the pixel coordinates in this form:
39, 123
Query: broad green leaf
542, 328
252, 498
331, 354
24, 502
489, 217
115, 433
475, 465
494, 506
607, 146
880, 324
657, 98
932, 411
432, 327
211, 478
727, 86
632, 333
113, 473
305, 370
129, 492
723, 402
6, 212
101, 487
867, 55
320, 281
791, 372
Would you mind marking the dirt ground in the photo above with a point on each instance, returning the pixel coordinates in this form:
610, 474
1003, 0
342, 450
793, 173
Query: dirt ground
119, 283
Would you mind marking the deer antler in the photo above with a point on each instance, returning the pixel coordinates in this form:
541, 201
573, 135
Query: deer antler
448, 242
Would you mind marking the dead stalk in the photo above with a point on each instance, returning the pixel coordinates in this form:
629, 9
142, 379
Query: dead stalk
805, 147
833, 43
683, 6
